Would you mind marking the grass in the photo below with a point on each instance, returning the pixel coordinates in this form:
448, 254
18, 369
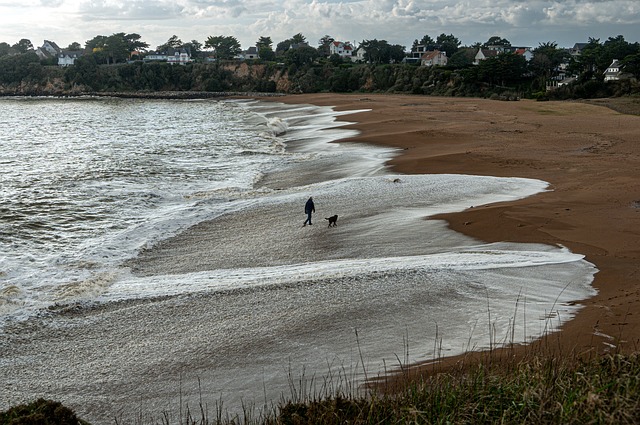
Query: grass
541, 390
506, 384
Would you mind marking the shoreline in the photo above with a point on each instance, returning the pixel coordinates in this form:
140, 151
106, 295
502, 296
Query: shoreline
587, 153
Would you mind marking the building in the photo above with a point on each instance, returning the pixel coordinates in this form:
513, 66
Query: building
434, 58
344, 50
484, 54
613, 71
68, 57
49, 49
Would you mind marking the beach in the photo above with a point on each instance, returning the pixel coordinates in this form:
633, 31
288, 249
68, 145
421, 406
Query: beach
177, 269
589, 154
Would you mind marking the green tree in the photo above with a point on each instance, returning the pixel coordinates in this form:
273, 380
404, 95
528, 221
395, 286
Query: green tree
463, 58
133, 42
74, 46
174, 42
5, 48
224, 47
546, 61
194, 47
616, 48
285, 45
23, 46
303, 55
589, 61
265, 49
324, 45
631, 64
381, 52
426, 41
448, 44
497, 41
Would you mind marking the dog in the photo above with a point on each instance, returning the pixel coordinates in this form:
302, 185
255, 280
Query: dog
333, 220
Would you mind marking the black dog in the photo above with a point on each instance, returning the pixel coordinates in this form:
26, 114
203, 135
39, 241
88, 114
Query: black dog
333, 220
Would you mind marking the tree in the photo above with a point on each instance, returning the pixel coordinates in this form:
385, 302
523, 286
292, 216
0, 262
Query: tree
632, 64
133, 42
497, 41
174, 42
224, 47
74, 46
463, 58
380, 51
265, 51
23, 46
302, 55
4, 48
285, 45
546, 61
194, 47
448, 44
616, 48
426, 41
324, 45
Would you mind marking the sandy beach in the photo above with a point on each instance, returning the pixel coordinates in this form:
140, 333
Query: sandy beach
589, 154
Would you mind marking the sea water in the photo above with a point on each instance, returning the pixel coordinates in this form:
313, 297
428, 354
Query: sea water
152, 257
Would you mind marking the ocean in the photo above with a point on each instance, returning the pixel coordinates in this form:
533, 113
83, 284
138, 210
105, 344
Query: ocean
152, 258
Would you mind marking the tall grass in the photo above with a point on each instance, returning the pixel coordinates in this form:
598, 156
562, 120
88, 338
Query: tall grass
508, 383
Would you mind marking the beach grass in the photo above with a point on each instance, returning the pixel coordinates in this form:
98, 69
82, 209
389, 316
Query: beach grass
538, 389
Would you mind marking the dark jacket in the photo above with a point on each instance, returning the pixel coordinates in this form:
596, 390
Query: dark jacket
309, 207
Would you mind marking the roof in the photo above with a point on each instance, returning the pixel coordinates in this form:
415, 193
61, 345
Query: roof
431, 54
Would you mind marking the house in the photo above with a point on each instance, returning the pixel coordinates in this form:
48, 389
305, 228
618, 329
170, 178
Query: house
179, 56
156, 56
344, 50
484, 54
525, 52
576, 50
613, 72
417, 51
359, 55
68, 57
49, 49
250, 54
434, 58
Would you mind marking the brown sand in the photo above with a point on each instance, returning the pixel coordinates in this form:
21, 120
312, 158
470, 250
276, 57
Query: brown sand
589, 154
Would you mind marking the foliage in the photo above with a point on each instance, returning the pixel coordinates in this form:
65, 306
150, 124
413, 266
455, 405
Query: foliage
42, 412
543, 390
448, 44
224, 47
381, 52
23, 46
497, 41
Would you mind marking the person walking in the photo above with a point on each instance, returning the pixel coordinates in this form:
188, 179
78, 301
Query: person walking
309, 208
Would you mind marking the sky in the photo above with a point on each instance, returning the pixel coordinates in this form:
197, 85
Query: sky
522, 22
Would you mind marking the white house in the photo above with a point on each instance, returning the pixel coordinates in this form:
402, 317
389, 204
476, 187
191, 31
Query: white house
358, 56
434, 58
613, 72
49, 49
179, 56
156, 56
344, 50
68, 57
484, 54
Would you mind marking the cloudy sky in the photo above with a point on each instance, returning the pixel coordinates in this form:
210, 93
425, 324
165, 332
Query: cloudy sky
522, 22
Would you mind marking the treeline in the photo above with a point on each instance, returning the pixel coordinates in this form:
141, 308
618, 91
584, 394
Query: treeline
506, 75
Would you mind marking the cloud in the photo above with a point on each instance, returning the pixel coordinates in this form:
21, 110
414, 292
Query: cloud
116, 10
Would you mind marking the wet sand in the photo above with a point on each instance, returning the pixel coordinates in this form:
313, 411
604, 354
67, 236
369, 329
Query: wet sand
589, 154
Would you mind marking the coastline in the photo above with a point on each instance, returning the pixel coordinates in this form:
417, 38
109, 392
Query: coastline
587, 153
